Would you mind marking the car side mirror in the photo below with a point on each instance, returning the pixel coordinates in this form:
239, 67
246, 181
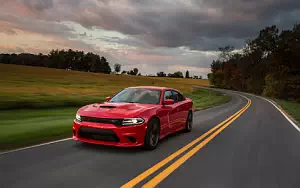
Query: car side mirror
168, 102
108, 99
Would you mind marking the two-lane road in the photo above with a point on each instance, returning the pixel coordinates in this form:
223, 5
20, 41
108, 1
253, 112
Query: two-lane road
259, 148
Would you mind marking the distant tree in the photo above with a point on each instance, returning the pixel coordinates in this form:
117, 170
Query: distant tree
161, 74
60, 59
177, 74
187, 74
225, 53
124, 72
139, 74
210, 78
135, 70
130, 72
117, 67
105, 66
200, 77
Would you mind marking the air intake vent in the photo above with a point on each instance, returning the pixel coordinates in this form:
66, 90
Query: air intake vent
98, 134
107, 107
101, 120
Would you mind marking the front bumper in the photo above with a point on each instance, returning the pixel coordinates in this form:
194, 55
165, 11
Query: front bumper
108, 134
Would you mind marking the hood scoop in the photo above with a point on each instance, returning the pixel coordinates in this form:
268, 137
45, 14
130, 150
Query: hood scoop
107, 106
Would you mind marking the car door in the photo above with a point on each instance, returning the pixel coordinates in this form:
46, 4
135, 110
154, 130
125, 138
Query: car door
181, 110
171, 113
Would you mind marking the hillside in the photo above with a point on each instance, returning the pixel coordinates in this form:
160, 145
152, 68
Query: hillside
37, 87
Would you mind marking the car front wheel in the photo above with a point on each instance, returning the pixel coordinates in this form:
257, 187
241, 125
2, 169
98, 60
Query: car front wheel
152, 134
189, 122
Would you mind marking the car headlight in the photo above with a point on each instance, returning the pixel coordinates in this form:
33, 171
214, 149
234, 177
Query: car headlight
132, 121
78, 117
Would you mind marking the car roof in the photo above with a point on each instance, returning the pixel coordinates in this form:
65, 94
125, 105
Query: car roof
153, 87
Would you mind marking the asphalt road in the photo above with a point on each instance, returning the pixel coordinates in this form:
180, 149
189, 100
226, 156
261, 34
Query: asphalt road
258, 149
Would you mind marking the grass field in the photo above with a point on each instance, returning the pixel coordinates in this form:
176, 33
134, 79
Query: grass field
37, 87
203, 98
292, 108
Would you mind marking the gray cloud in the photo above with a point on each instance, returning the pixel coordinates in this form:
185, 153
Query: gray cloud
8, 31
202, 25
197, 24
36, 26
39, 5
129, 41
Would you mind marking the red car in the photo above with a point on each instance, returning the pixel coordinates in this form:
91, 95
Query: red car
136, 116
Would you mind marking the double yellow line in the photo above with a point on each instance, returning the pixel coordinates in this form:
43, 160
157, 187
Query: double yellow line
165, 173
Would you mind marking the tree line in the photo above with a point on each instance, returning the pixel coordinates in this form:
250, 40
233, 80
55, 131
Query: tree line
268, 65
178, 74
60, 59
78, 61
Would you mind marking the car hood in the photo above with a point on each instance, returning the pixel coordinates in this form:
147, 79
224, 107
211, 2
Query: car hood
115, 110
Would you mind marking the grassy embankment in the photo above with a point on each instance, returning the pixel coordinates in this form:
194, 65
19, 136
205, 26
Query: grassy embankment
292, 108
39, 104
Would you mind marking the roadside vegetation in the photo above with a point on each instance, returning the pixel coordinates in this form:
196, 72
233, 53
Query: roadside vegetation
268, 65
203, 98
39, 104
31, 126
292, 108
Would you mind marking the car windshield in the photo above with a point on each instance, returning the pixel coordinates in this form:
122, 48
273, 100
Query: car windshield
137, 95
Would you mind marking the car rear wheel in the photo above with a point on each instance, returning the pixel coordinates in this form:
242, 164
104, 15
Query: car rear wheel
152, 135
189, 122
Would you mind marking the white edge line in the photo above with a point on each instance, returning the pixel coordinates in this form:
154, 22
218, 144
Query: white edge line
286, 117
34, 146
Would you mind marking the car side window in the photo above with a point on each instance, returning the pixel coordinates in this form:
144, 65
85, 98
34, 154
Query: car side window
177, 96
168, 95
180, 97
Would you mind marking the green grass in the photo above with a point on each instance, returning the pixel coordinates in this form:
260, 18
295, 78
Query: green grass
31, 126
204, 98
292, 108
38, 87
27, 126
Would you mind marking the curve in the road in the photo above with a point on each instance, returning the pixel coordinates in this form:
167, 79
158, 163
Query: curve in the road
280, 110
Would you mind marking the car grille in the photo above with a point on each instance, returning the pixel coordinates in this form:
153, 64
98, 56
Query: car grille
101, 120
98, 134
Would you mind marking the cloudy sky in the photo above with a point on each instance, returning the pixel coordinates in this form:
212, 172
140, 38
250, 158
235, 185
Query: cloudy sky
152, 35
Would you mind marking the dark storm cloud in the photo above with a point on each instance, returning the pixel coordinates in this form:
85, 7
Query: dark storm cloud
197, 24
203, 25
36, 26
39, 5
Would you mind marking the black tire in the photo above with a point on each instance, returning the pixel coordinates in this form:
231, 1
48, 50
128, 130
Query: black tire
152, 135
189, 122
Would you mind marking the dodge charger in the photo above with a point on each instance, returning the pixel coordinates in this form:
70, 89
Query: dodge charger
135, 116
